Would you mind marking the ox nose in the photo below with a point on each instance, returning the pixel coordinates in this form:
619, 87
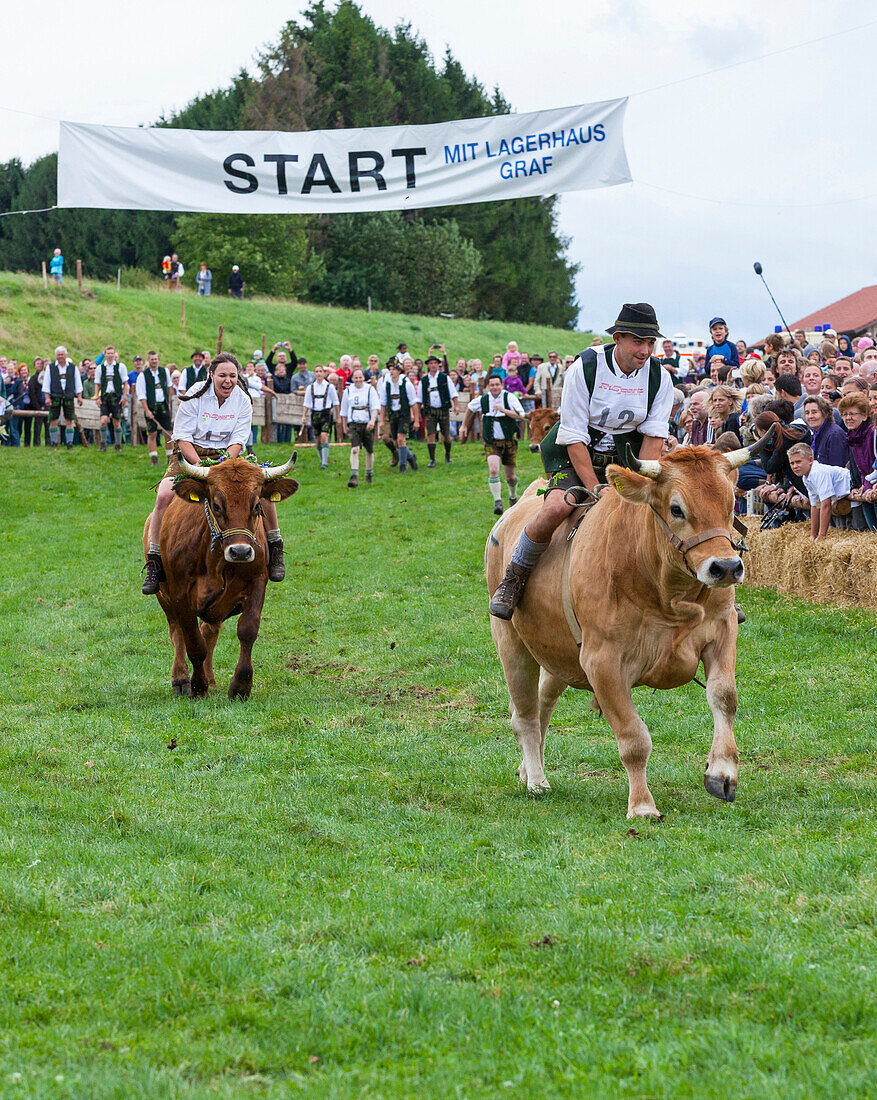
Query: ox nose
239, 552
726, 569
534, 447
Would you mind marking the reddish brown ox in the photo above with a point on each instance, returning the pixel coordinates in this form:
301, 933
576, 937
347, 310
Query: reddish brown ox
541, 423
215, 561
648, 610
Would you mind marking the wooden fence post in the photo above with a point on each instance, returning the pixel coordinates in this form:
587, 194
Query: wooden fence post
45, 277
79, 274
219, 340
263, 345
268, 430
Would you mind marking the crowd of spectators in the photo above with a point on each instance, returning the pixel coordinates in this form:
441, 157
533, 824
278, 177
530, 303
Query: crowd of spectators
818, 399
537, 380
823, 395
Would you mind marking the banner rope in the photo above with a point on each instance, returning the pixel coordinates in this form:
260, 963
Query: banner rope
42, 210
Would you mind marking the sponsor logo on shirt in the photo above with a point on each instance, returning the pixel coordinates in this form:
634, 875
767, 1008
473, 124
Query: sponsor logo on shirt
626, 391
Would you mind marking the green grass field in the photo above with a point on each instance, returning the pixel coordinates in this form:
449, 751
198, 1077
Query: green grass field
338, 889
33, 321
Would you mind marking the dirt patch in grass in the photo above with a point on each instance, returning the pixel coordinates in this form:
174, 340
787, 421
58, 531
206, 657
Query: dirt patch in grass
299, 664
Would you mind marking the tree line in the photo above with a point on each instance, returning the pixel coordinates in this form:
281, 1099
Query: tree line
334, 69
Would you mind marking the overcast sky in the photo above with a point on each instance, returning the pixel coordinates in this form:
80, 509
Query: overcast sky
771, 161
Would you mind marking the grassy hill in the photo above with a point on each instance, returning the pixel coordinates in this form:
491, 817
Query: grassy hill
33, 321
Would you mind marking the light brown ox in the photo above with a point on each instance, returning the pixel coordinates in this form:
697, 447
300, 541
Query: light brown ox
647, 616
212, 579
541, 422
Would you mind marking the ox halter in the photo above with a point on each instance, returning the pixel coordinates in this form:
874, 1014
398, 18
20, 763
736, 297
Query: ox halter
684, 545
220, 536
199, 473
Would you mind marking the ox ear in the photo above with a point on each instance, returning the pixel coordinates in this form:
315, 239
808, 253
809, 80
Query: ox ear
631, 486
279, 488
191, 488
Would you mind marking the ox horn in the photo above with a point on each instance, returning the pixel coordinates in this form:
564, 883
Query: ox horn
746, 454
199, 472
648, 467
278, 471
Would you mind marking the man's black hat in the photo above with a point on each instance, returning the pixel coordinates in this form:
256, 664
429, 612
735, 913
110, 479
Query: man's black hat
637, 318
197, 351
536, 356
393, 362
432, 359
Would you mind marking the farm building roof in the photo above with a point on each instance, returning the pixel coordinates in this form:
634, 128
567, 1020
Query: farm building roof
852, 314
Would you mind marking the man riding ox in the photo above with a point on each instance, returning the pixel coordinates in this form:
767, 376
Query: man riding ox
613, 395
642, 591
215, 558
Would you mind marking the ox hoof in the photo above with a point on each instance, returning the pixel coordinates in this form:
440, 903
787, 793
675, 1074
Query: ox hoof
239, 691
647, 812
721, 787
183, 688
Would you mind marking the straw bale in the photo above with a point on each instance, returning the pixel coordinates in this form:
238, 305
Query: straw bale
840, 570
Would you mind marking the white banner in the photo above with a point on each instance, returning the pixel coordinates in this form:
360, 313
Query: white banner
330, 171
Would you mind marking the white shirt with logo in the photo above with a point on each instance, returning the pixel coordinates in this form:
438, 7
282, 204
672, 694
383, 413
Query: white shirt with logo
358, 404
206, 423
619, 403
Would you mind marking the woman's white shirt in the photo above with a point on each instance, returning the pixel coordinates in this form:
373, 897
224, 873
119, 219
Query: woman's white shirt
205, 423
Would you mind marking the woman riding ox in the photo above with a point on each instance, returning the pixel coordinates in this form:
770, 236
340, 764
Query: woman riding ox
212, 421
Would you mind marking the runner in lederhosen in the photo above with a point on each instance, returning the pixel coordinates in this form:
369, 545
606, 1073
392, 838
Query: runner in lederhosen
320, 405
360, 406
399, 408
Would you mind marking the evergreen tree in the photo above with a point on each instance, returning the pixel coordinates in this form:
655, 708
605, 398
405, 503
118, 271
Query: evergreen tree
103, 239
333, 68
337, 68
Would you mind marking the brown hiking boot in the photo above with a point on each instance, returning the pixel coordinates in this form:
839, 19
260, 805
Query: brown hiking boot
510, 590
276, 568
154, 574
101, 446
354, 480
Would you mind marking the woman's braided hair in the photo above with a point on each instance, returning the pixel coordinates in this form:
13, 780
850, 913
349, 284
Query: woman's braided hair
221, 357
